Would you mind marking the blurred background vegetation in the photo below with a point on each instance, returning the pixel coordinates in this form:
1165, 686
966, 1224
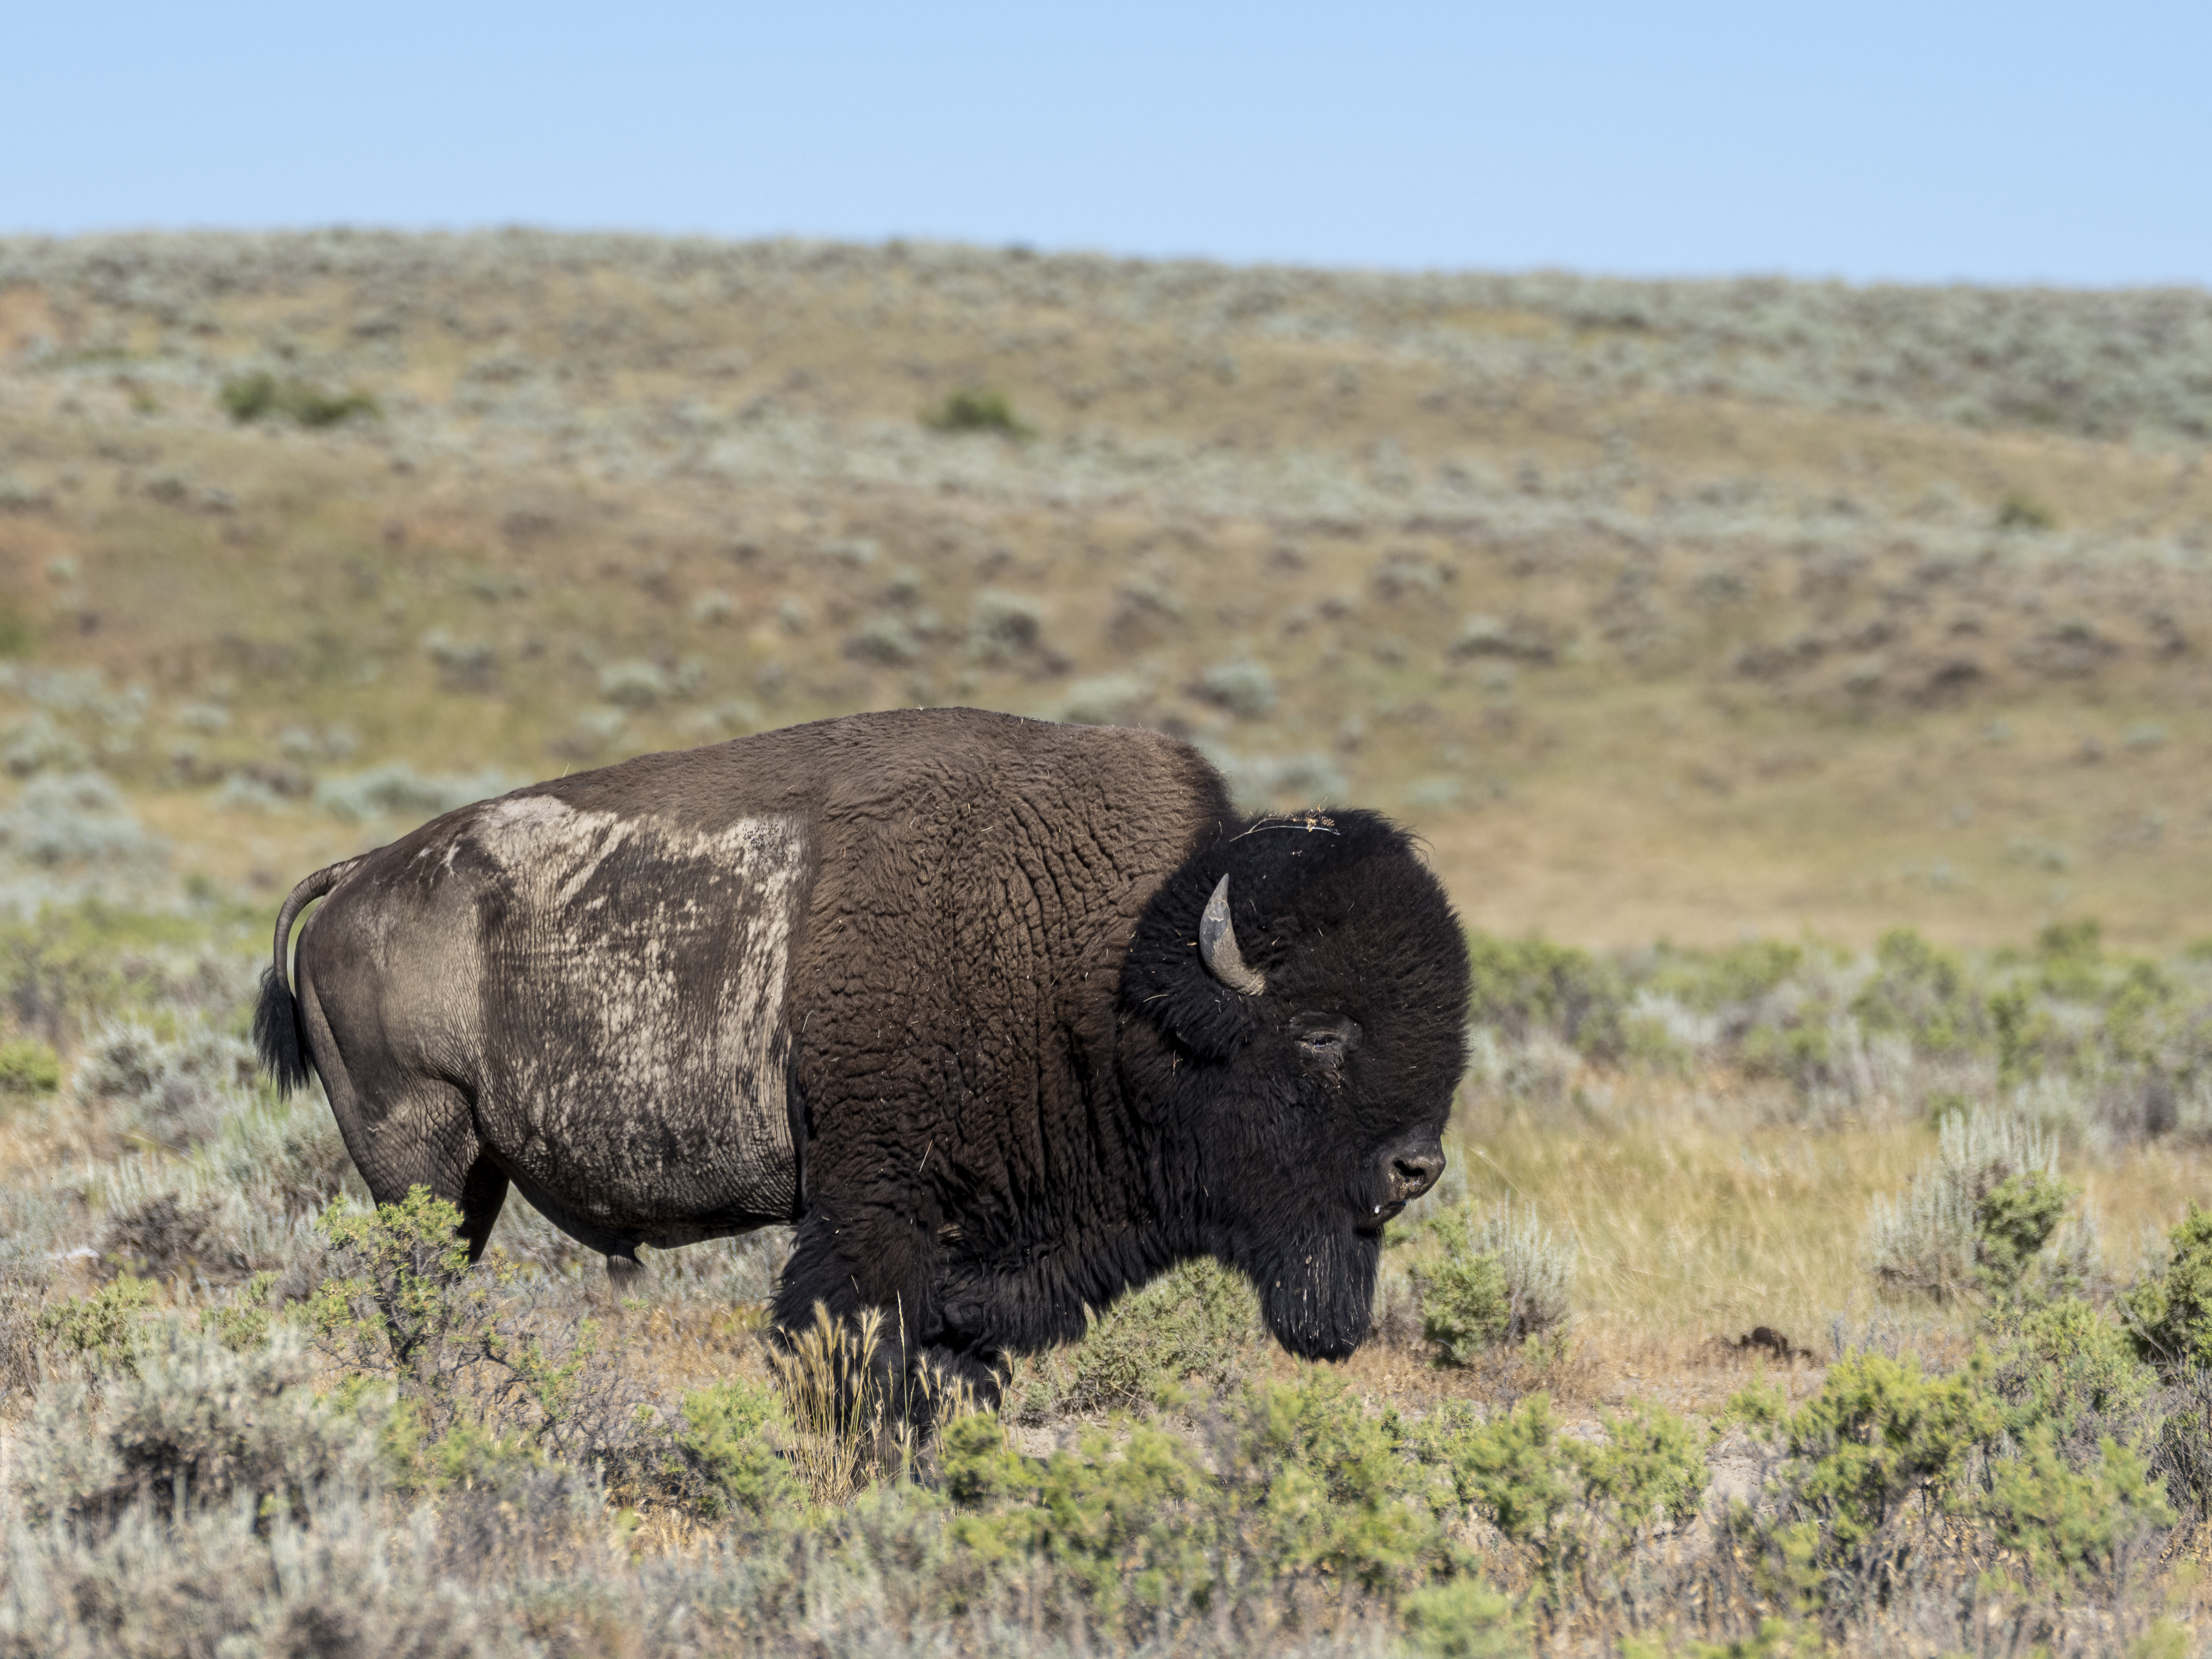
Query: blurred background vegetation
1664, 608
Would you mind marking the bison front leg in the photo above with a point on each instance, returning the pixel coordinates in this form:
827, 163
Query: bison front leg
850, 1270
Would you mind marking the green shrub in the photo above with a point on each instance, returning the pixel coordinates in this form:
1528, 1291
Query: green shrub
1921, 994
1126, 1520
2169, 1312
2025, 1036
104, 1331
1579, 1507
1879, 1447
728, 1441
242, 1325
1485, 1279
1522, 986
2068, 1366
1887, 1468
1712, 979
402, 1291
1198, 1322
1648, 1469
1335, 1493
1465, 1308
461, 1342
1515, 1468
975, 408
1978, 1214
28, 1067
1881, 1433
2013, 1221
1463, 1619
1304, 1486
2068, 1526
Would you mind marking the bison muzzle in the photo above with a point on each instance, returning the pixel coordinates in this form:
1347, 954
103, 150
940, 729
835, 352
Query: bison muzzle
1006, 1017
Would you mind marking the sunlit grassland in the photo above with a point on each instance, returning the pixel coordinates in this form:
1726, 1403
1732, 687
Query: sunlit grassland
1668, 615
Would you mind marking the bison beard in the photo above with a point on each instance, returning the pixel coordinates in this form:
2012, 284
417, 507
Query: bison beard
1320, 1296
1008, 1017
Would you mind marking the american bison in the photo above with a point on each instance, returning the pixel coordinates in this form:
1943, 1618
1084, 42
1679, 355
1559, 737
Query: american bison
1006, 1017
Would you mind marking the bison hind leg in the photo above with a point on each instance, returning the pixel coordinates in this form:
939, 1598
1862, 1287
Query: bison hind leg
625, 1274
483, 1192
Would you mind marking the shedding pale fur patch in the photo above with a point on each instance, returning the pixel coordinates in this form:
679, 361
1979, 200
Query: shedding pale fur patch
637, 996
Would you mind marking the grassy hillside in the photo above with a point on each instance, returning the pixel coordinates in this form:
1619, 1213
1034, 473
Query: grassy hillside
1675, 609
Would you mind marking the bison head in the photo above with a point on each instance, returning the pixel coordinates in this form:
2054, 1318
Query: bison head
1293, 1011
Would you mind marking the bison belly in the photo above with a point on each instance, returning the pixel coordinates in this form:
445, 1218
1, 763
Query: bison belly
636, 1018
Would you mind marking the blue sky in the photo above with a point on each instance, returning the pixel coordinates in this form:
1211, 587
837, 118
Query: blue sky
1928, 142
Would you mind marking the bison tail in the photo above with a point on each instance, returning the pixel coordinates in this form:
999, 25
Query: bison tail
277, 1033
276, 1015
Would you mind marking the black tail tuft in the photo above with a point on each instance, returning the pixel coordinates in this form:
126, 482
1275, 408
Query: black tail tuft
277, 1033
276, 1015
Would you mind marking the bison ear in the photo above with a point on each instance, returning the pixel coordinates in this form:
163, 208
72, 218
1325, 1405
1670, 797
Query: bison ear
1217, 945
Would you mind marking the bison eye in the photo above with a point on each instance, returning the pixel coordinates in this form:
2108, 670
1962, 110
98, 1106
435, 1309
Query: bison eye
1326, 1039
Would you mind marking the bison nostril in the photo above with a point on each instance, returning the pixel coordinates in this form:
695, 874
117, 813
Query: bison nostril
1418, 1173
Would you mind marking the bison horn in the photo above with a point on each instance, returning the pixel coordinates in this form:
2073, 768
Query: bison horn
1217, 945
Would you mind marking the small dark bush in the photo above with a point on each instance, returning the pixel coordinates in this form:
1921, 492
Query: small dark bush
28, 1067
22, 1293
250, 397
17, 633
975, 408
2169, 1312
2019, 511
311, 407
159, 1239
